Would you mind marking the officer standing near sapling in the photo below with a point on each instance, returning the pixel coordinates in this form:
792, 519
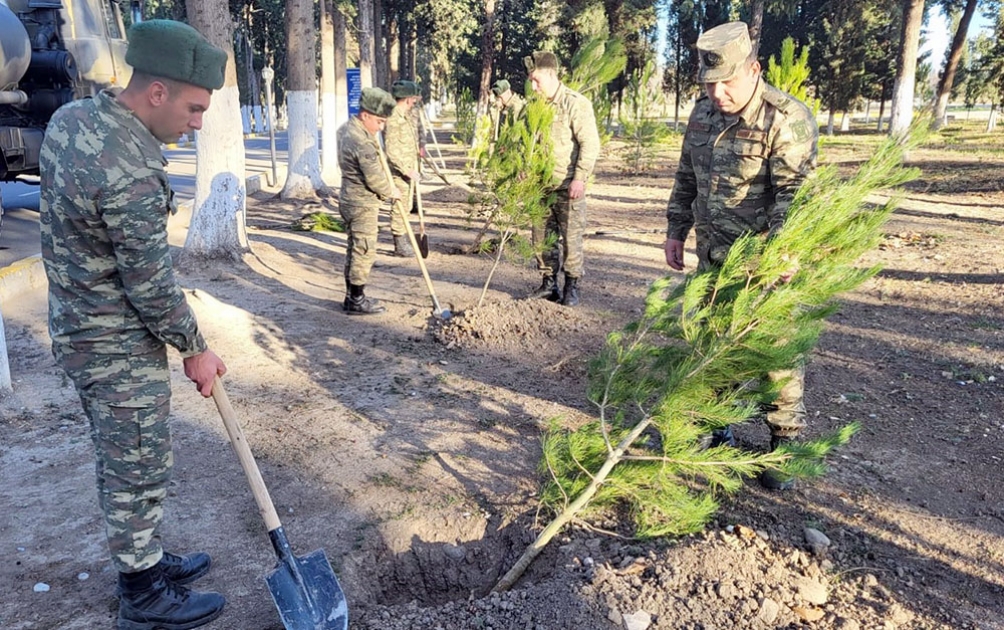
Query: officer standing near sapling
365, 188
507, 107
114, 305
401, 140
747, 149
575, 142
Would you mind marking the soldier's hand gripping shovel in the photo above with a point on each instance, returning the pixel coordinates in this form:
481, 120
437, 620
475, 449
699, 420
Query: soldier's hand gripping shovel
437, 310
304, 589
423, 240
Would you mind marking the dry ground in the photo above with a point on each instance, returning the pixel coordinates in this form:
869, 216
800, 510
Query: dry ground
409, 452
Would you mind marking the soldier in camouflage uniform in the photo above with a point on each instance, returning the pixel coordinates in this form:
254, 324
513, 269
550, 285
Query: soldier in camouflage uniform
114, 305
401, 140
365, 188
507, 107
575, 142
747, 149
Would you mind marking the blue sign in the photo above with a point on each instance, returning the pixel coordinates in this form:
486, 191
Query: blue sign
355, 89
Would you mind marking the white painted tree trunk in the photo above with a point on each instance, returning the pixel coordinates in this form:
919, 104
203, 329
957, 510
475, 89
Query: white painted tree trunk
246, 119
218, 228
845, 122
992, 121
868, 112
6, 386
906, 78
303, 177
829, 123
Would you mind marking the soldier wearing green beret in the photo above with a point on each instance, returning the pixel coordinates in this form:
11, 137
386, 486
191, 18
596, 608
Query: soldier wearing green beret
115, 307
747, 150
507, 107
575, 142
365, 188
403, 152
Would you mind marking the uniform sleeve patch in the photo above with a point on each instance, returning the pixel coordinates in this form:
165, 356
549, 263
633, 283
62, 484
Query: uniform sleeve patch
800, 130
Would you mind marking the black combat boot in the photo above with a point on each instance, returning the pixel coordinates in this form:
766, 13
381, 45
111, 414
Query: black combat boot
185, 569
571, 296
772, 478
548, 289
150, 601
356, 303
402, 247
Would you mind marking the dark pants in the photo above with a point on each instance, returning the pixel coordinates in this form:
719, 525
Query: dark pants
566, 224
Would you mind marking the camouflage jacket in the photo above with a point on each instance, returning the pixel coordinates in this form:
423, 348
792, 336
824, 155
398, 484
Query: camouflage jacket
739, 173
401, 139
500, 114
103, 206
364, 182
574, 137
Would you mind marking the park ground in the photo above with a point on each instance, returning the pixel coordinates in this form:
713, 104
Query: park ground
408, 448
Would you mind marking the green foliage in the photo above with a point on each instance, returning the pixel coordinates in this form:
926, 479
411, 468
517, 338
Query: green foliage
318, 222
791, 74
695, 362
642, 134
516, 178
598, 62
467, 116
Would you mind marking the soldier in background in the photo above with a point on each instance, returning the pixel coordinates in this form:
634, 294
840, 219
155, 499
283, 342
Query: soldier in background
114, 305
507, 107
575, 142
401, 140
365, 188
747, 149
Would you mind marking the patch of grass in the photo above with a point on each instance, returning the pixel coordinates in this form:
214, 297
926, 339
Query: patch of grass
318, 222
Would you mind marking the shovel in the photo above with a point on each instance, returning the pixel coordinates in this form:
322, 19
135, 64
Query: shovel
423, 240
304, 589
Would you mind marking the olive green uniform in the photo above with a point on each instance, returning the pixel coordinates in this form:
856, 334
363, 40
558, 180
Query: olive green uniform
114, 306
575, 143
401, 139
500, 113
364, 190
738, 174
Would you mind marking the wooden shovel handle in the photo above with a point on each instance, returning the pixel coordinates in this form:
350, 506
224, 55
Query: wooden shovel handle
421, 212
258, 489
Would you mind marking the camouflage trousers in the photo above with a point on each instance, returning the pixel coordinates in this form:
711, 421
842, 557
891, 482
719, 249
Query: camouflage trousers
786, 416
127, 399
396, 220
566, 225
361, 249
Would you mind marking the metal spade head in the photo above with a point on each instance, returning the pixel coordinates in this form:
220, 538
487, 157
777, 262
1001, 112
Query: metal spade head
423, 245
305, 589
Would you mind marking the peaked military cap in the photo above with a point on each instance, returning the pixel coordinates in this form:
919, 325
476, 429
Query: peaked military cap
540, 60
175, 50
377, 102
723, 51
501, 87
404, 89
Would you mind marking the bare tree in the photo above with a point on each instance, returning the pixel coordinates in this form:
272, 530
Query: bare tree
329, 120
906, 73
303, 174
218, 228
951, 65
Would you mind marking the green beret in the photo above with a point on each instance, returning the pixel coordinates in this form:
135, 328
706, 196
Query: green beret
540, 60
501, 87
377, 102
174, 50
404, 89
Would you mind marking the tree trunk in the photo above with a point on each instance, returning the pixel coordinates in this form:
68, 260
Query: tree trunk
341, 61
218, 228
951, 65
906, 76
365, 35
868, 112
992, 120
303, 171
845, 122
6, 386
829, 122
379, 46
487, 56
329, 123
756, 23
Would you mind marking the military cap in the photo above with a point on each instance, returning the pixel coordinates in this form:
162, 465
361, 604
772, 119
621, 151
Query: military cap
377, 102
501, 87
175, 50
404, 89
723, 51
540, 60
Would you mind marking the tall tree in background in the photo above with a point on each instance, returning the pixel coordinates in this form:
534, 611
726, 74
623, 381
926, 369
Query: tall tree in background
303, 175
364, 33
947, 80
906, 74
329, 122
684, 27
840, 54
218, 227
487, 55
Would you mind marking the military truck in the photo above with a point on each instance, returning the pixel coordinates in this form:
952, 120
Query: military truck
52, 52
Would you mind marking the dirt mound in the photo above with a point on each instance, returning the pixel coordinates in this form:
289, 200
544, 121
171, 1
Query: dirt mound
448, 194
498, 325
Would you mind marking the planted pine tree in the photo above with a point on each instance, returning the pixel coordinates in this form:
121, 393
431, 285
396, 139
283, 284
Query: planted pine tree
695, 362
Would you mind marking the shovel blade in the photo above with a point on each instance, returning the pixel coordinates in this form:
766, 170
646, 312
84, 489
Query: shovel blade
307, 594
423, 245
